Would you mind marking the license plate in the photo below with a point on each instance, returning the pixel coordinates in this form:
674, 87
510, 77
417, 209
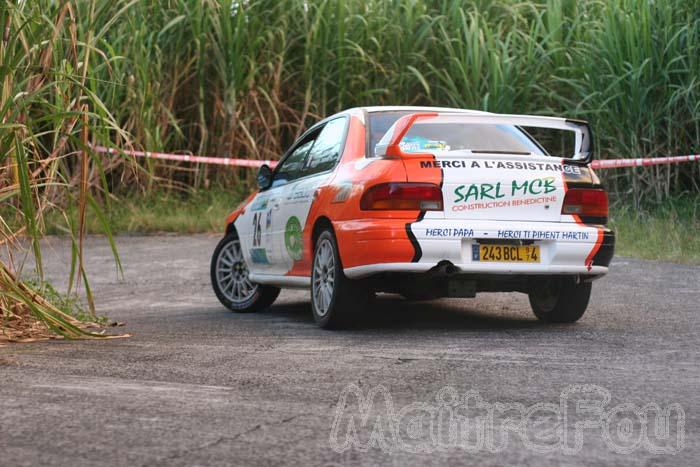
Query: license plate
506, 253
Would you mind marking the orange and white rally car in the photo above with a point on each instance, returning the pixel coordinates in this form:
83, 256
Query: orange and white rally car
426, 203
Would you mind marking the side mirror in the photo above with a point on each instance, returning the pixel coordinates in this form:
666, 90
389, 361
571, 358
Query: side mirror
264, 177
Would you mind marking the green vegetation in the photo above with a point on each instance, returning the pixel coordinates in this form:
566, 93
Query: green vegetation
669, 232
71, 304
244, 77
161, 211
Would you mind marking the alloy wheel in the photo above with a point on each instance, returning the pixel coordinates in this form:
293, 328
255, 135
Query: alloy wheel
323, 277
232, 274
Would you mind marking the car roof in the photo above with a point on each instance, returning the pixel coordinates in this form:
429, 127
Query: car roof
385, 108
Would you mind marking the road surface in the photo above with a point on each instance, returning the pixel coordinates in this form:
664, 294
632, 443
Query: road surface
198, 385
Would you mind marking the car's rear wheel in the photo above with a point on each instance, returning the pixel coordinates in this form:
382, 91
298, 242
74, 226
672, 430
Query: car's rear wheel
229, 278
559, 300
334, 297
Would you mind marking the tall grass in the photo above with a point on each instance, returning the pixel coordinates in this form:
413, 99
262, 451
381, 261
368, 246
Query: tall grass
243, 78
49, 114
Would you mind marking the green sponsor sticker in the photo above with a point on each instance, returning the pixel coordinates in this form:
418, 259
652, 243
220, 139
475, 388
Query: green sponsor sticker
292, 238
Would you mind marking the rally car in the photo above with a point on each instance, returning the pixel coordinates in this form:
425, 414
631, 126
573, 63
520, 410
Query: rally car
425, 203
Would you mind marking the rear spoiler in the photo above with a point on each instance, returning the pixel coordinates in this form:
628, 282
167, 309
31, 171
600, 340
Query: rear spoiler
389, 145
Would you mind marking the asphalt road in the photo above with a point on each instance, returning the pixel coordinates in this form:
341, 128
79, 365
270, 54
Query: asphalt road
198, 385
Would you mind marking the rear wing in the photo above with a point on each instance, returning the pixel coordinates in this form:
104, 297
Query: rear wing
389, 145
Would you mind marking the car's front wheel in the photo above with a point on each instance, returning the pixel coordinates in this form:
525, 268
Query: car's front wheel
334, 297
229, 277
559, 300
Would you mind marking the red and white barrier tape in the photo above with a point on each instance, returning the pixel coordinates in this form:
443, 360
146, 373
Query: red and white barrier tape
620, 163
597, 164
187, 158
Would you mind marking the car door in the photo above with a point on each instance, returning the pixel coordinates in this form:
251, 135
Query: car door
271, 220
259, 225
298, 196
255, 229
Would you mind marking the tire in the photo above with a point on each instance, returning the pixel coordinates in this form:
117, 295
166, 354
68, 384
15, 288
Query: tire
560, 300
229, 278
335, 299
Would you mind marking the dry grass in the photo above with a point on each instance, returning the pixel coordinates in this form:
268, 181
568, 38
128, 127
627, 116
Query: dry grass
49, 115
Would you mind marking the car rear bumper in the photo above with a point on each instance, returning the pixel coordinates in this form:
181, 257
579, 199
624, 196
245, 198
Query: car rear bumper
359, 272
565, 248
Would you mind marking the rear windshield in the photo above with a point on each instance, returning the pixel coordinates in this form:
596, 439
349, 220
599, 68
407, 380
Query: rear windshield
453, 136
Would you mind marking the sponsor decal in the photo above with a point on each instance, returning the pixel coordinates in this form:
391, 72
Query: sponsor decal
300, 196
418, 143
482, 191
456, 232
517, 193
508, 234
259, 204
501, 165
343, 193
292, 238
257, 228
259, 256
546, 200
543, 235
444, 164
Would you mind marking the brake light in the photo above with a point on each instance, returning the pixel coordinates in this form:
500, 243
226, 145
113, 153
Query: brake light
586, 203
402, 196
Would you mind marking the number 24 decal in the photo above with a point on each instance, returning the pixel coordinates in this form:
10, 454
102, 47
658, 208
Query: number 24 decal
257, 226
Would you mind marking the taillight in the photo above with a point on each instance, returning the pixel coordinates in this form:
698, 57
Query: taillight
402, 196
589, 204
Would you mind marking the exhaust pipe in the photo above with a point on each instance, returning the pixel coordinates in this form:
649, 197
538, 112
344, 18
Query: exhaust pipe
444, 267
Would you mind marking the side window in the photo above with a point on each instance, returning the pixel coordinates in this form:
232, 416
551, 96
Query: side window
326, 151
292, 166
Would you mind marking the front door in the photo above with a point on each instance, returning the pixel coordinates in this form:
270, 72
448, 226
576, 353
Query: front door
295, 206
256, 230
298, 196
274, 218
